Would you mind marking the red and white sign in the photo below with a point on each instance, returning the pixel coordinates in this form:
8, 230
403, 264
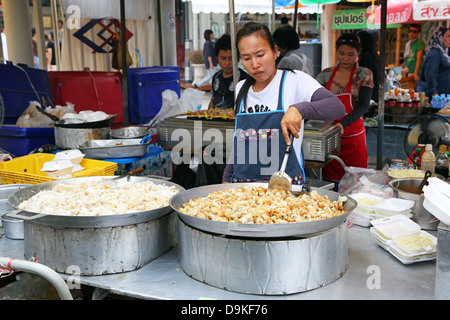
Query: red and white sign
432, 10
398, 11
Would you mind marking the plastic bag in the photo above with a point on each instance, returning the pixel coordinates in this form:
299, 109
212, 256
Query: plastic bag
365, 180
33, 118
190, 99
29, 287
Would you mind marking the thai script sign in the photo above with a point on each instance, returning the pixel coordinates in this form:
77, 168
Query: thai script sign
357, 19
431, 10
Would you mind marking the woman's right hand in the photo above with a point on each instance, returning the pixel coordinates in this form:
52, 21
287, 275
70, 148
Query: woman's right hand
291, 123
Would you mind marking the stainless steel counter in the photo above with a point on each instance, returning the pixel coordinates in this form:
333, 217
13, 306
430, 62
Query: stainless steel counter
372, 274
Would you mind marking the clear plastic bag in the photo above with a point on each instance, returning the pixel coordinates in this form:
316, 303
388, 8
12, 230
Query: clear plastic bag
365, 180
29, 287
190, 99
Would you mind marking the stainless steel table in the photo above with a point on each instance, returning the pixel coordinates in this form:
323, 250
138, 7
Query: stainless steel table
372, 273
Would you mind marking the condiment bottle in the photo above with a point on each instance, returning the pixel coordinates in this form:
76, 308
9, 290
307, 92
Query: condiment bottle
416, 100
416, 158
442, 161
428, 161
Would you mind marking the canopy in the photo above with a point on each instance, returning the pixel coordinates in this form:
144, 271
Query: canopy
432, 10
398, 11
250, 6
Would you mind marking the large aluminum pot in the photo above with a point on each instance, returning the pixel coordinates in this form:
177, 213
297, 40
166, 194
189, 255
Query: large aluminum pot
256, 230
408, 188
95, 245
70, 135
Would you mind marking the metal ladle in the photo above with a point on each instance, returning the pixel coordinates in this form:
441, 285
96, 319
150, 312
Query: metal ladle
280, 180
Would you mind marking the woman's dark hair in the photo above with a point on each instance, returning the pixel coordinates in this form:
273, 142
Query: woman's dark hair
349, 39
286, 37
223, 43
247, 30
207, 34
368, 43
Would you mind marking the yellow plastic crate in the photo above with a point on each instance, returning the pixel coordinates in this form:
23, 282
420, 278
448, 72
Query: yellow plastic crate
27, 169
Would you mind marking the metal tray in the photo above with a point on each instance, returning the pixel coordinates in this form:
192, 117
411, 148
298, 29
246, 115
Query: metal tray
105, 149
256, 230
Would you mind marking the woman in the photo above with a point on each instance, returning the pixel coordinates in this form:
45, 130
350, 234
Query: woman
369, 58
271, 102
209, 57
436, 65
353, 85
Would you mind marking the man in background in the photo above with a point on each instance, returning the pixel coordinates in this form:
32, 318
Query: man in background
414, 52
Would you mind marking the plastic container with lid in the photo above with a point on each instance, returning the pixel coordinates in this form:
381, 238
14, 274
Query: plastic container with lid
428, 161
394, 206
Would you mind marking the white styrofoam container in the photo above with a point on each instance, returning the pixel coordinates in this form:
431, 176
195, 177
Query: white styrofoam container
74, 155
359, 197
394, 206
407, 252
437, 203
396, 225
58, 168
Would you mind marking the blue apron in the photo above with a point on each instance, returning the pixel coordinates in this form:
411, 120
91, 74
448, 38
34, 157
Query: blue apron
253, 143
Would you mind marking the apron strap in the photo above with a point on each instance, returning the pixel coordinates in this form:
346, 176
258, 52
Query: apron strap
281, 90
348, 89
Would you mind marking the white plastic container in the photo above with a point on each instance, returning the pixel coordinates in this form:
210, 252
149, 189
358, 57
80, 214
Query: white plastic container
415, 248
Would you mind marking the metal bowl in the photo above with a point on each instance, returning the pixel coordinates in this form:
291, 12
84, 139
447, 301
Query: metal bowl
129, 133
256, 230
105, 221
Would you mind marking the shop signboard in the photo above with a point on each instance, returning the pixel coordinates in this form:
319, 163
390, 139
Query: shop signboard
431, 10
356, 19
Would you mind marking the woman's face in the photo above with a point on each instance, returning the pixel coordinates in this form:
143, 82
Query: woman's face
446, 39
258, 58
347, 55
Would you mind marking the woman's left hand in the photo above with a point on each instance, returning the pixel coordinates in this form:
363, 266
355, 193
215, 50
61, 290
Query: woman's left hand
339, 125
291, 122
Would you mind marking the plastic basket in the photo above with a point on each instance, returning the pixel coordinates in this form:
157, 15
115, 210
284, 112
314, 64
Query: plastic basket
27, 169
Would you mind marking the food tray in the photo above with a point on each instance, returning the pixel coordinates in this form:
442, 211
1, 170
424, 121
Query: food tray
27, 169
366, 201
114, 148
411, 252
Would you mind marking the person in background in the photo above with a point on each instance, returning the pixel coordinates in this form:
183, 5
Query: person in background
209, 57
436, 64
35, 47
369, 58
51, 53
272, 104
286, 38
414, 52
4, 45
222, 81
353, 85
60, 32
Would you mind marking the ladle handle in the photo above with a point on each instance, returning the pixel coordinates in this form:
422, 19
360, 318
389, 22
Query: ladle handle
288, 148
428, 174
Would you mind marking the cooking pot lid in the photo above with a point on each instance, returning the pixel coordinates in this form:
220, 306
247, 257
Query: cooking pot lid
86, 125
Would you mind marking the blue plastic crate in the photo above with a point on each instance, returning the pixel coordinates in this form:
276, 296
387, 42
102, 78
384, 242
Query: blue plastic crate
145, 86
21, 141
19, 85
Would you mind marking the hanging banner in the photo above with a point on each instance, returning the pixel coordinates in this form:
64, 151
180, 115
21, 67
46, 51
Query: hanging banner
431, 10
355, 19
